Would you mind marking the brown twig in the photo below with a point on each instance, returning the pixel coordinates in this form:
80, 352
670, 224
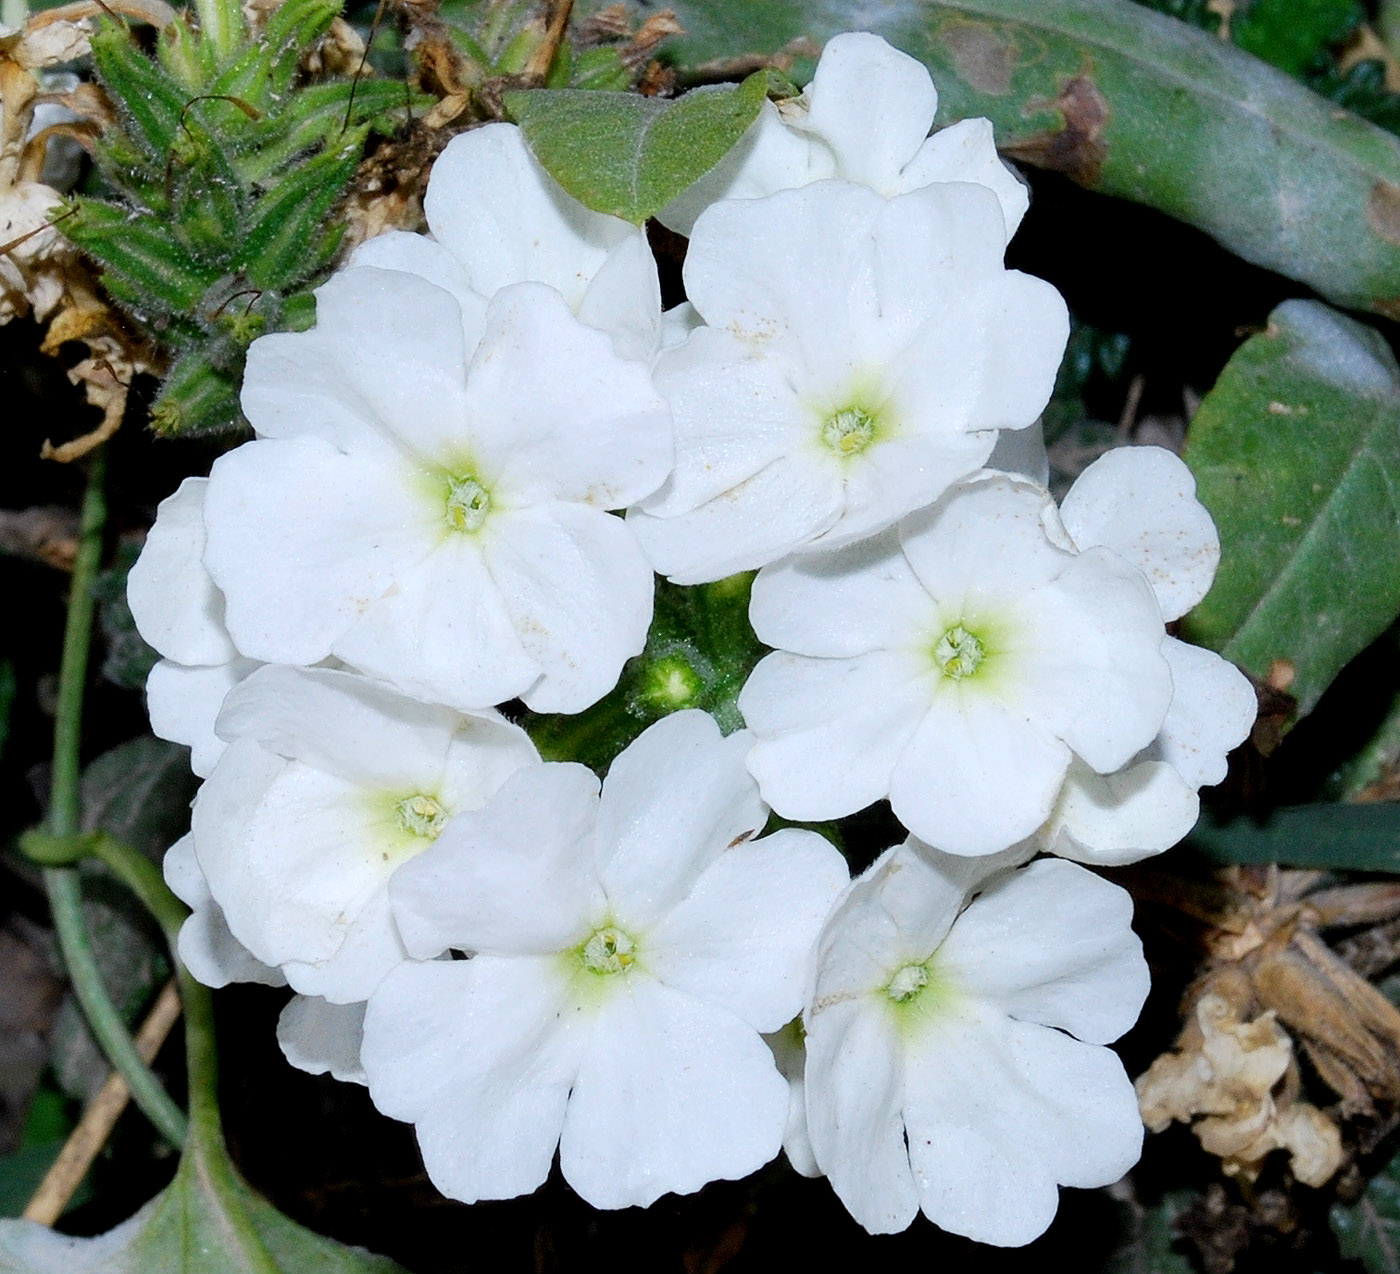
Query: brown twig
100, 1117
543, 56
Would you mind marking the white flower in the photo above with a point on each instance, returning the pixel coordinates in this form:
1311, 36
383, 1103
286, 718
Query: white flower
498, 218
954, 1057
629, 951
790, 1054
179, 612
1141, 503
859, 355
331, 782
429, 508
865, 117
957, 665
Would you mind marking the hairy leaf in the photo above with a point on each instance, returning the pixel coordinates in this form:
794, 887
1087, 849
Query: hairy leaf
629, 155
1369, 1229
1296, 453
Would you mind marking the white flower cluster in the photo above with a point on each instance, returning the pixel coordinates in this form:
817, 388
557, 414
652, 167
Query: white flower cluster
520, 961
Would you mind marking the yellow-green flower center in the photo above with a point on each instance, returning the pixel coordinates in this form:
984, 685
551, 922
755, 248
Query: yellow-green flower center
468, 503
958, 653
849, 431
609, 950
907, 983
421, 815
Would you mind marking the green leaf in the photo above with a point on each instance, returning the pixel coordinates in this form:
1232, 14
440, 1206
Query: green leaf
1297, 455
1145, 1238
204, 1223
140, 793
197, 398
1136, 105
1335, 837
629, 155
1369, 1229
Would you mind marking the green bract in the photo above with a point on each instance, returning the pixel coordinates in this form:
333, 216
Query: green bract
228, 172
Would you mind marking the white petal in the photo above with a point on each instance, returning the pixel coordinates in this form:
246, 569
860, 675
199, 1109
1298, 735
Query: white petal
1110, 819
507, 221
384, 365
674, 800
830, 731
578, 590
624, 299
847, 602
184, 703
998, 1112
782, 507
735, 411
480, 1056
593, 429
985, 538
303, 538
745, 935
370, 948
1052, 944
672, 1093
206, 947
175, 604
319, 1037
1141, 503
486, 750
342, 724
790, 1055
966, 151
516, 876
444, 633
976, 778
1087, 661
873, 105
421, 255
855, 1091
291, 855
1213, 709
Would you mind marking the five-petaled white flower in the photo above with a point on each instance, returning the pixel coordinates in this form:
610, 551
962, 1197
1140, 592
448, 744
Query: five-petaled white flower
330, 783
429, 508
859, 355
956, 667
629, 949
955, 1059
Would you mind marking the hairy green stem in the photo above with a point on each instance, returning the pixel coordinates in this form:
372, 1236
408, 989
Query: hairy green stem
61, 883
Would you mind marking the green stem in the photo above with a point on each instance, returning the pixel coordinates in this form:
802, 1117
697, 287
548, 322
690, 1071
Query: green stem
61, 883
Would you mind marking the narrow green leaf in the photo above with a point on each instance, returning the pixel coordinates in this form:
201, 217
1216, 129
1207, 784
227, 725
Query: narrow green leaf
188, 59
288, 218
1337, 837
629, 155
291, 30
1136, 105
145, 265
1297, 455
149, 100
1369, 1229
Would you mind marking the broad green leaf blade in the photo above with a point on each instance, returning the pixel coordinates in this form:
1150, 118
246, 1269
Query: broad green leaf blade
1296, 453
1369, 1229
195, 1227
1139, 106
628, 155
1335, 837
